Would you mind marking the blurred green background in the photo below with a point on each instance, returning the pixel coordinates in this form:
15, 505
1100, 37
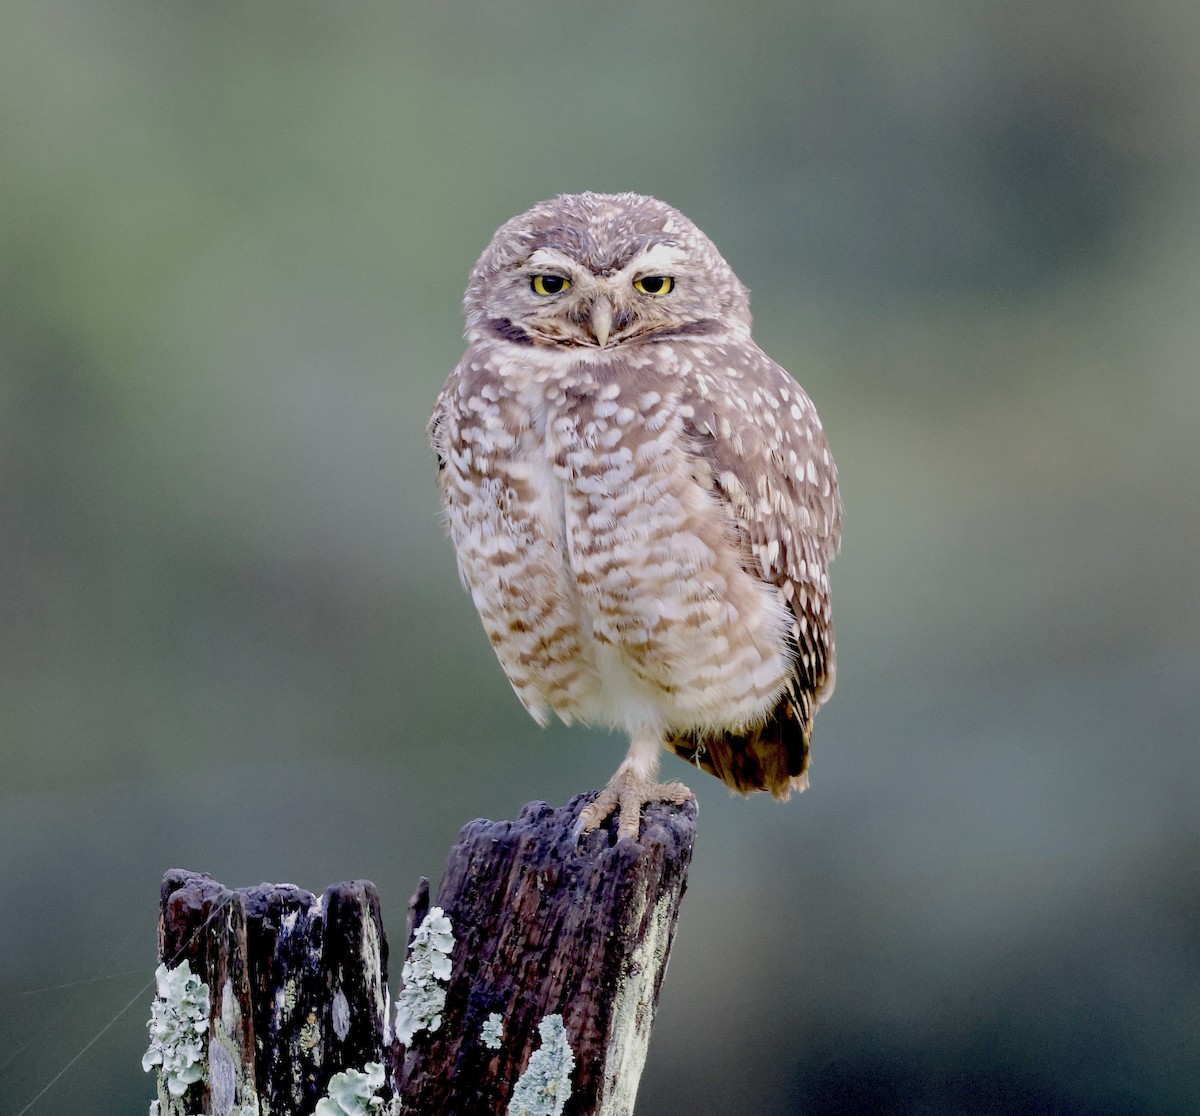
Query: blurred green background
233, 242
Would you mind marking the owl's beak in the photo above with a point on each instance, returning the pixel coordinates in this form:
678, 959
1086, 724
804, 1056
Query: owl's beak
602, 316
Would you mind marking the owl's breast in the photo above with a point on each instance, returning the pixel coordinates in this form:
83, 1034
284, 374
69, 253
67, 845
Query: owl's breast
683, 634
608, 574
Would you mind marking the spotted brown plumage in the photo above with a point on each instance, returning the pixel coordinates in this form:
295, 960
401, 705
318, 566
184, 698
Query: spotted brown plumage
643, 504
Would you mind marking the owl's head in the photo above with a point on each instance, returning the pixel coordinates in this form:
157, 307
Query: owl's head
596, 271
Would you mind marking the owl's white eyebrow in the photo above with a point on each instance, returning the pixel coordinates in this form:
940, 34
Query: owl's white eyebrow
548, 257
664, 258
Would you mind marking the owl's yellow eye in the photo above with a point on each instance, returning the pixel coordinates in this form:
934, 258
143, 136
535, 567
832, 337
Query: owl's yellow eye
549, 284
654, 284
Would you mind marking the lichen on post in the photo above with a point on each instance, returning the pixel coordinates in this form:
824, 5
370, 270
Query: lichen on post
545, 1086
202, 935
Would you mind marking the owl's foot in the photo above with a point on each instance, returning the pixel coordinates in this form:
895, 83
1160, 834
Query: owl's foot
627, 792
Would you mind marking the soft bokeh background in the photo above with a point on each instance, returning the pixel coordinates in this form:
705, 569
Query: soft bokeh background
233, 240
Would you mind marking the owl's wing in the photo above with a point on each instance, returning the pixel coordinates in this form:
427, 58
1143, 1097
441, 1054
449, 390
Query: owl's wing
757, 443
435, 428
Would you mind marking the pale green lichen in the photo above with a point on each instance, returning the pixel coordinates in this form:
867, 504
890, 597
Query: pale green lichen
493, 1031
425, 974
178, 1024
353, 1093
229, 1076
310, 1033
545, 1086
373, 963
633, 1009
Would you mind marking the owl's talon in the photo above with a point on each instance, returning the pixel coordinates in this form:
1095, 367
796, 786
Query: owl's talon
627, 793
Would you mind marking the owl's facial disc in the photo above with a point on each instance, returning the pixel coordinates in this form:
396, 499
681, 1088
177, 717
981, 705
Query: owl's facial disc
566, 303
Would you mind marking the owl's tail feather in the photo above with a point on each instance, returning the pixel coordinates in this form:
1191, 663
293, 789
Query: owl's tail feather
772, 757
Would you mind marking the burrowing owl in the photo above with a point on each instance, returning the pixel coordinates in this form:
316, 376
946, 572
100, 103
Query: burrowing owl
643, 504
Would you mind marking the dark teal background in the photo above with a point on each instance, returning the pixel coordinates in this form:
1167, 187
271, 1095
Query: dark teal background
233, 243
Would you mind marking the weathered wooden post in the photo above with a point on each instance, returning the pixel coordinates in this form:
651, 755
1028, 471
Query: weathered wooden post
296, 989
530, 985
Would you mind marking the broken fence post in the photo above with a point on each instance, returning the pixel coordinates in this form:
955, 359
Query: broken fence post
532, 984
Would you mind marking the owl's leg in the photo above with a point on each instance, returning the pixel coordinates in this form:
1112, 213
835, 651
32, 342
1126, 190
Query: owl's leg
632, 787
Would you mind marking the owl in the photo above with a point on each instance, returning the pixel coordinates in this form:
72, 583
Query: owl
642, 503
